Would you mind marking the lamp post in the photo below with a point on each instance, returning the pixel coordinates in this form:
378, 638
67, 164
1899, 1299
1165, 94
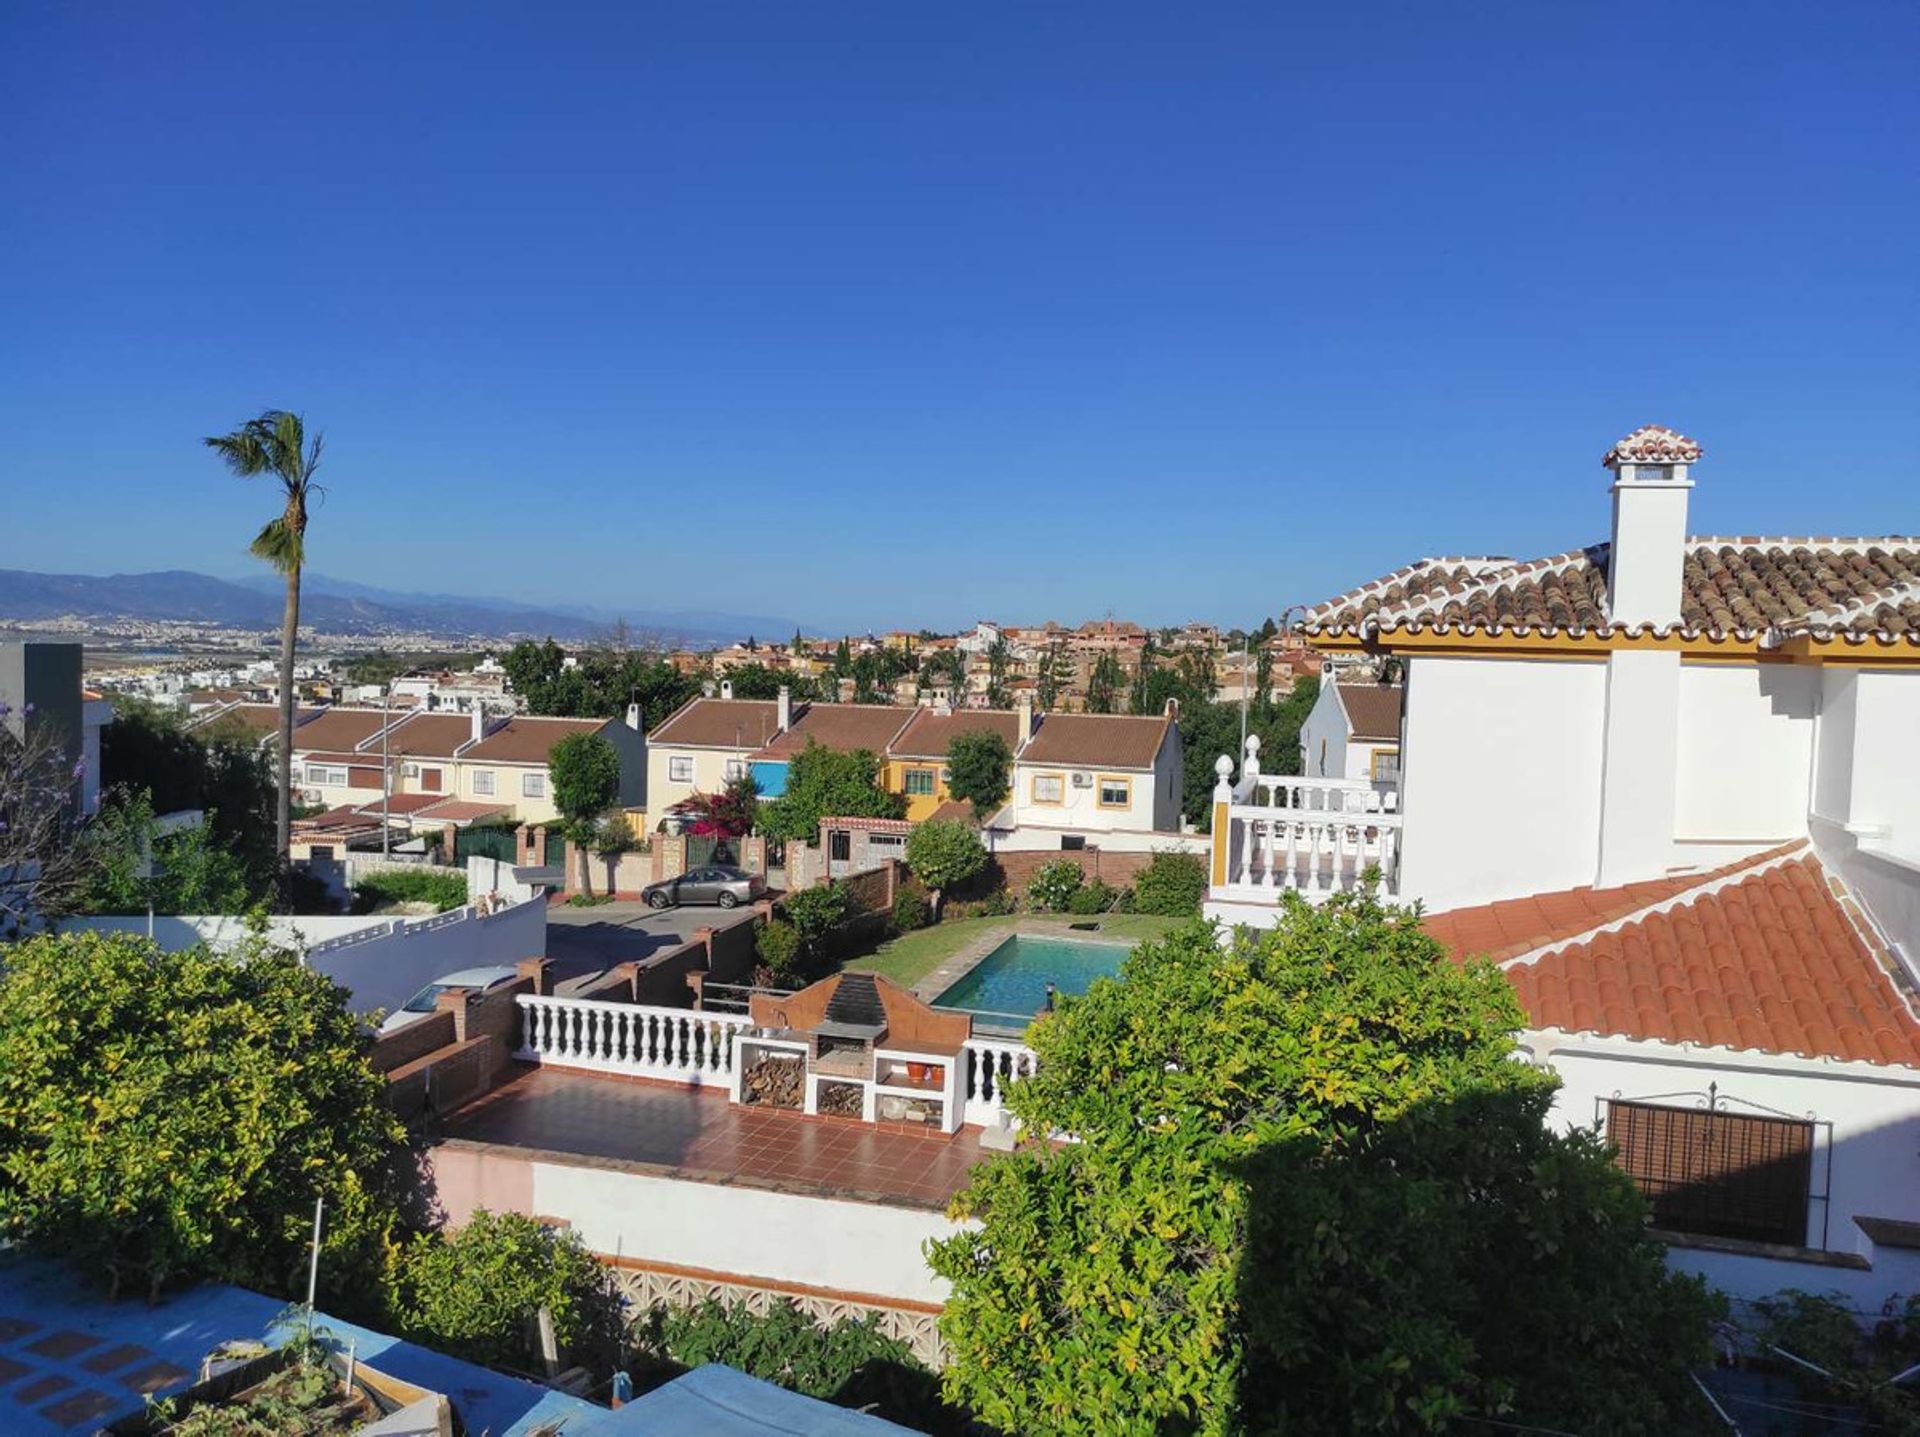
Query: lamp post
386, 773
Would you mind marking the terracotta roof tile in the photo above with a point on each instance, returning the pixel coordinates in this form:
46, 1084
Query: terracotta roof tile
719, 723
528, 740
1373, 711
427, 736
928, 733
1654, 444
1096, 740
839, 726
1766, 961
336, 730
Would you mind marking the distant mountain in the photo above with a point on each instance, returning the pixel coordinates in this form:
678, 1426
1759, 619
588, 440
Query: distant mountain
341, 606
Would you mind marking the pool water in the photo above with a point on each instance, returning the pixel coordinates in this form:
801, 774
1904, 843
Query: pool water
1011, 982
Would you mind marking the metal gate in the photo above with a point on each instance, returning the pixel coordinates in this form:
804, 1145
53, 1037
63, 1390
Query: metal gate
485, 843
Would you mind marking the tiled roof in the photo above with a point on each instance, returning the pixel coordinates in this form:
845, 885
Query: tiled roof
1373, 711
398, 805
261, 719
719, 723
427, 736
529, 740
1766, 957
1654, 444
460, 810
336, 730
1096, 740
952, 810
927, 733
1749, 587
840, 726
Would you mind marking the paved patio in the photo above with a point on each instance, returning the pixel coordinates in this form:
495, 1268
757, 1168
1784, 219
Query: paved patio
699, 1135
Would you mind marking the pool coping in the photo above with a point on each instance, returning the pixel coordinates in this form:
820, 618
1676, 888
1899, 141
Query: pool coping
964, 961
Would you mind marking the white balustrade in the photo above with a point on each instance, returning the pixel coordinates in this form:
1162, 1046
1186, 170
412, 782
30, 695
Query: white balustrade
677, 1044
988, 1066
1314, 836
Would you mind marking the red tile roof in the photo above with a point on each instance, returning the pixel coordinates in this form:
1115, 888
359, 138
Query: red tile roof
427, 736
1654, 444
840, 726
336, 730
1097, 740
1373, 711
719, 723
460, 810
529, 740
928, 733
1764, 957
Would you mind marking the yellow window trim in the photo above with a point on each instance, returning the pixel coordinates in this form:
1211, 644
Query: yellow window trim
1033, 790
1100, 790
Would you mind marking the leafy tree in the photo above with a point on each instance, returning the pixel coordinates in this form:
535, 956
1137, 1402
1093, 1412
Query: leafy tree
999, 664
198, 874
816, 912
843, 659
1054, 674
731, 813
827, 783
943, 668
1313, 1192
1172, 885
276, 443
600, 684
945, 853
586, 780
172, 1116
979, 771
1103, 685
219, 770
1209, 730
44, 865
757, 681
778, 945
474, 1292
1052, 887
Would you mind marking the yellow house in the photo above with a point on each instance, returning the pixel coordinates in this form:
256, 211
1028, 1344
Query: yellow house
916, 760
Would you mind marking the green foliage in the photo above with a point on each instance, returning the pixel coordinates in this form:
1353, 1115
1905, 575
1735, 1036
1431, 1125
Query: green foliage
827, 783
979, 770
757, 681
778, 944
1104, 681
445, 889
1172, 885
945, 853
304, 1395
851, 1363
1861, 1360
1052, 887
172, 1116
1095, 897
474, 1292
816, 912
1208, 730
613, 836
221, 772
1313, 1193
910, 911
589, 900
600, 685
586, 776
199, 874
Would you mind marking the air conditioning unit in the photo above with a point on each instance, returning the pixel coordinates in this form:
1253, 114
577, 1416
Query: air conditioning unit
1083, 780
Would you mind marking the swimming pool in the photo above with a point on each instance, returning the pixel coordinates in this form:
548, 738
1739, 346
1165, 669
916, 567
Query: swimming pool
1011, 982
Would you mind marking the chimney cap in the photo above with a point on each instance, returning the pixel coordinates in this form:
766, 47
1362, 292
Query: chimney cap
1653, 444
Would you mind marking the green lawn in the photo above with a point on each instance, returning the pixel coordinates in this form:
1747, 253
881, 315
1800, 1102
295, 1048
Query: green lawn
910, 957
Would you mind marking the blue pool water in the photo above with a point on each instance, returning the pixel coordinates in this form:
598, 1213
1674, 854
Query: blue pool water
1012, 980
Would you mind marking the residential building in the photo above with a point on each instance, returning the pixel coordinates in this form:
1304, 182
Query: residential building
1353, 731
706, 744
1107, 780
41, 688
916, 757
1666, 783
508, 763
845, 727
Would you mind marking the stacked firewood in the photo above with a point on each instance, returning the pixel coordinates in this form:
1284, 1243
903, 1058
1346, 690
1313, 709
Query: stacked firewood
841, 1100
773, 1083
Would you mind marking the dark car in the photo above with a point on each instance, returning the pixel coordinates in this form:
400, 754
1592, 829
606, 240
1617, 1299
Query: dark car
714, 883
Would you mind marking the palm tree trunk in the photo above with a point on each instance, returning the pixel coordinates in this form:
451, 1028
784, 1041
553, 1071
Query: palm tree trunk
289, 634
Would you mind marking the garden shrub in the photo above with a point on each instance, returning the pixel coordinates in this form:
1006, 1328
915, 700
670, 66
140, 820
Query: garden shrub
816, 912
474, 1292
910, 911
1052, 888
1172, 885
444, 890
778, 944
1094, 897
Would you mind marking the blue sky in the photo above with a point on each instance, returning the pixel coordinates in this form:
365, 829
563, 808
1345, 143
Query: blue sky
903, 314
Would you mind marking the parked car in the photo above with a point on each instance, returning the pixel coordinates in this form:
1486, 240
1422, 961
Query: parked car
715, 883
421, 1003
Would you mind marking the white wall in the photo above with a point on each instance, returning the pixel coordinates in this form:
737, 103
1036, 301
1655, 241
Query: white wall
783, 1237
1874, 1157
1833, 758
1153, 798
1323, 737
1746, 744
380, 962
709, 775
1500, 778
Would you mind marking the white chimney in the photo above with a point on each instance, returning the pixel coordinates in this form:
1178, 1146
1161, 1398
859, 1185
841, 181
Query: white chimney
633, 717
479, 721
1650, 486
1640, 759
784, 709
1023, 720
726, 688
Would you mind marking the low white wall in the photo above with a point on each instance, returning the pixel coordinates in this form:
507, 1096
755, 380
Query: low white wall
782, 1237
1739, 1275
380, 962
495, 875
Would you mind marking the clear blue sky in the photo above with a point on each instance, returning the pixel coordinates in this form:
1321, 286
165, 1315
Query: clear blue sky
911, 313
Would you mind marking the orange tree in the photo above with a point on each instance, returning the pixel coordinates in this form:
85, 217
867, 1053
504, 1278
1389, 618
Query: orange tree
1313, 1192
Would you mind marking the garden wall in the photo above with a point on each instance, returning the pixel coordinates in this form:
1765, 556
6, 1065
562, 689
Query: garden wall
1117, 869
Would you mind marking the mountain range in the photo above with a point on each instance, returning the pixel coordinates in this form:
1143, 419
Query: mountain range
343, 606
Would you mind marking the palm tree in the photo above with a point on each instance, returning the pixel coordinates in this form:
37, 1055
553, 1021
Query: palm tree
276, 444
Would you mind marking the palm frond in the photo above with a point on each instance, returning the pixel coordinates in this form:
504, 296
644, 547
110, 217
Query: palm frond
242, 452
280, 545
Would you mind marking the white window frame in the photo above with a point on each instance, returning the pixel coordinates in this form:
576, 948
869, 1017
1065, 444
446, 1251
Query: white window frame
1124, 785
737, 769
533, 785
483, 784
327, 775
679, 768
1057, 782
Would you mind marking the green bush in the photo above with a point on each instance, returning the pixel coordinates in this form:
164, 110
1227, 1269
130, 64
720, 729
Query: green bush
444, 890
474, 1292
816, 912
589, 900
1052, 888
778, 944
1172, 885
853, 1364
1094, 897
910, 911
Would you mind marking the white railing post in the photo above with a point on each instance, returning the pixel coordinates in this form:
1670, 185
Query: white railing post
674, 1044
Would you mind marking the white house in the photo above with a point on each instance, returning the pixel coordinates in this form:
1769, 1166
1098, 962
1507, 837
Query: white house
1106, 780
1353, 731
1666, 782
707, 743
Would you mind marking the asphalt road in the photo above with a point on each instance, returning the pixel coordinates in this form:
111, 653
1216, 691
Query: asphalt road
583, 943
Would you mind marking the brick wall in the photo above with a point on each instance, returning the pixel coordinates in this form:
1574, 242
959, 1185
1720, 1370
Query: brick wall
416, 1040
874, 890
455, 1053
1118, 869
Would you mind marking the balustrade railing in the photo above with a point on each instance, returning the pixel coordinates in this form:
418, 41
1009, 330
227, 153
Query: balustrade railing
1314, 836
990, 1065
677, 1044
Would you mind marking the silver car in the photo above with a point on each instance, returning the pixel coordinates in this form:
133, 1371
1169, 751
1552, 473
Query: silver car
713, 883
422, 1003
